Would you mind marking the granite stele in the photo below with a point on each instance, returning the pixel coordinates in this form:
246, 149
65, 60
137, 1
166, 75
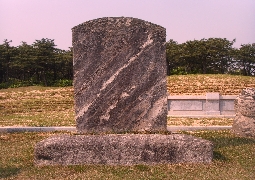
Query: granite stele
119, 76
120, 97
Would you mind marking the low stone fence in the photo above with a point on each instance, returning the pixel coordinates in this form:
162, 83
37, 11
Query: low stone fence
209, 105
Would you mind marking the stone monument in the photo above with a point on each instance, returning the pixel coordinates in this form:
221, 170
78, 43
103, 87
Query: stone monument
119, 76
244, 122
120, 87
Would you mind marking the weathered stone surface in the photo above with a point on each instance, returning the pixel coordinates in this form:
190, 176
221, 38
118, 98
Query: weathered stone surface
119, 75
244, 126
244, 122
125, 149
245, 103
120, 86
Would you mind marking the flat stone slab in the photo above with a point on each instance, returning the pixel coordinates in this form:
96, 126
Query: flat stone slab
123, 149
119, 75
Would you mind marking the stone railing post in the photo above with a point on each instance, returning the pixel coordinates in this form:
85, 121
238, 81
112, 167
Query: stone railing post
213, 103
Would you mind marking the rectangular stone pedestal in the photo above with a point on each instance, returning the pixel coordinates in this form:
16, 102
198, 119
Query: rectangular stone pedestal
128, 149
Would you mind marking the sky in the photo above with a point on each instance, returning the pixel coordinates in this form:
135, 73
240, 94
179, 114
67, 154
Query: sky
30, 20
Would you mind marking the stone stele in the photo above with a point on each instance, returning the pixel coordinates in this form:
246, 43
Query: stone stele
120, 86
119, 75
244, 122
125, 149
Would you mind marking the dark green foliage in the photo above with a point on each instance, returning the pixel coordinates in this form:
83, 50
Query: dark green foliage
38, 64
210, 56
63, 83
245, 60
43, 64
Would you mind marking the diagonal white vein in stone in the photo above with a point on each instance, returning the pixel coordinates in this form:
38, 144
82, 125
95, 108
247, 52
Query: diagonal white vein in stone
148, 42
83, 110
111, 79
107, 115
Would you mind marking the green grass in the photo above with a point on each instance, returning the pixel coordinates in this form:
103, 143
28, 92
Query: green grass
234, 158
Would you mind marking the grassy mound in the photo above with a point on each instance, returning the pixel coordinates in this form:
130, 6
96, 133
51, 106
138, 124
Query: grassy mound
54, 106
37, 106
202, 83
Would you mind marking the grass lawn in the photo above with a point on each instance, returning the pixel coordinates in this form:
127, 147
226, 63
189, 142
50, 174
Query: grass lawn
186, 121
234, 158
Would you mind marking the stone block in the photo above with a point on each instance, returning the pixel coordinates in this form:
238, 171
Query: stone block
213, 96
212, 104
244, 126
186, 105
244, 122
227, 105
125, 149
119, 76
208, 105
244, 104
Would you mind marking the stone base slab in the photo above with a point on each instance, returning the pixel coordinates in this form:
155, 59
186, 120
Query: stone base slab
123, 149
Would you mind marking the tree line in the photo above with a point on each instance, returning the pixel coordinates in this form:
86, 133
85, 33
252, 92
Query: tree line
210, 56
41, 63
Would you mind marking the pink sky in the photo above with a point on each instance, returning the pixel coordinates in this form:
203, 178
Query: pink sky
28, 20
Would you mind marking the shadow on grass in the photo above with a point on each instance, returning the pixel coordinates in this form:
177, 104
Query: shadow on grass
6, 172
219, 157
221, 142
223, 138
142, 167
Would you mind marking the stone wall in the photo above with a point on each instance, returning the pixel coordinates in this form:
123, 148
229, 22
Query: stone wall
209, 105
